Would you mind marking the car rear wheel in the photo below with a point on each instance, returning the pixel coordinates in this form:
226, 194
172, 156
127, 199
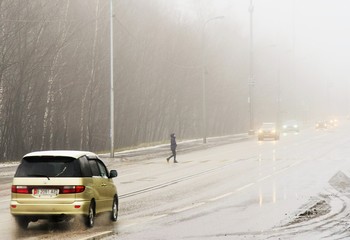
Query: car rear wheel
90, 218
114, 215
22, 222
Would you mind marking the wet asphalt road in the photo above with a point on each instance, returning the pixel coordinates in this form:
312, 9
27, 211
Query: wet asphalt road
232, 188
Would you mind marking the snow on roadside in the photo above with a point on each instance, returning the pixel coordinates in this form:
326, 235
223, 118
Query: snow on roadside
140, 149
8, 164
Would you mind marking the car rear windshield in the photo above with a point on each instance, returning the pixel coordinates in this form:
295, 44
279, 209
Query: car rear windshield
48, 167
268, 125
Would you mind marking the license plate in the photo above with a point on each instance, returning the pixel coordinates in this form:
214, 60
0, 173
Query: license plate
46, 192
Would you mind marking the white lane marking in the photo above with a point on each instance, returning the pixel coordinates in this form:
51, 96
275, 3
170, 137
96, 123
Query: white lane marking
264, 178
296, 163
244, 187
125, 175
157, 217
96, 235
188, 208
220, 197
145, 220
280, 171
129, 225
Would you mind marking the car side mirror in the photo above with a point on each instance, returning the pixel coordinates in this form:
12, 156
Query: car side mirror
113, 174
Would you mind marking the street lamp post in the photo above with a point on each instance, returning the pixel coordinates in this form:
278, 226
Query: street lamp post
279, 89
251, 73
112, 84
204, 110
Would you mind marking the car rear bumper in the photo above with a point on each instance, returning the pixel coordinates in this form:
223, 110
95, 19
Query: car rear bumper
290, 129
75, 208
268, 135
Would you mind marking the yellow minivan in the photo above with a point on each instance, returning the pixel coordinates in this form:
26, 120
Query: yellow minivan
60, 185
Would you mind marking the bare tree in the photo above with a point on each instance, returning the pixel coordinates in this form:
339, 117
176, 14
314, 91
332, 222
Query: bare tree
54, 75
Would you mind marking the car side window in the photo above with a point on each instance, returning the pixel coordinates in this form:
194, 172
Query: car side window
94, 168
103, 169
85, 167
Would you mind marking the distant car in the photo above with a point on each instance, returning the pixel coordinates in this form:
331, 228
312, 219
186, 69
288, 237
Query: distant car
333, 122
60, 185
321, 125
268, 130
290, 126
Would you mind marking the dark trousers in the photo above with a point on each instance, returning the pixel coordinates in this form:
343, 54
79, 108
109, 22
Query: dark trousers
174, 154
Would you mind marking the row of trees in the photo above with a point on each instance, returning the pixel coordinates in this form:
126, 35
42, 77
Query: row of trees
54, 75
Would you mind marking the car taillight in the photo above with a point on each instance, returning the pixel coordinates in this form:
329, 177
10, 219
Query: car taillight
79, 189
73, 189
63, 189
19, 189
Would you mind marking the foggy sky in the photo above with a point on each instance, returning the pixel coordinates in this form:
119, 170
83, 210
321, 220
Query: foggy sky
303, 44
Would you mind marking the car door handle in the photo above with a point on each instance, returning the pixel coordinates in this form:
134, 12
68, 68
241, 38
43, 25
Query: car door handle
103, 184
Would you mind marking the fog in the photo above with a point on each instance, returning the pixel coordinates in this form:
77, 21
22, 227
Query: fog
310, 42
174, 62
300, 50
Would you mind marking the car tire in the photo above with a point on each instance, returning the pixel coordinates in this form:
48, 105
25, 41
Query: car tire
22, 222
114, 213
90, 218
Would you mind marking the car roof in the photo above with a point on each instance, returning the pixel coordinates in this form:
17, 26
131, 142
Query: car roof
268, 123
61, 153
291, 121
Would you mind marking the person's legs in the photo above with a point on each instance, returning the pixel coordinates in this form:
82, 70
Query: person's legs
168, 158
174, 154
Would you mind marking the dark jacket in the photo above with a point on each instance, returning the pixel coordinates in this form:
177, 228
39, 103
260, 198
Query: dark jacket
173, 144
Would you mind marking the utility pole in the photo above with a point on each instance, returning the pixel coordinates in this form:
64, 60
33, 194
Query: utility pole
112, 84
204, 88
251, 82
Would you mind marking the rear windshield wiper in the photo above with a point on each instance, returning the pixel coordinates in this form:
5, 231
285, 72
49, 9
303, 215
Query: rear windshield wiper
64, 169
38, 175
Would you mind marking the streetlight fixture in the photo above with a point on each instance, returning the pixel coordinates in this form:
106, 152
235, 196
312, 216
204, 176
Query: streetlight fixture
204, 110
112, 84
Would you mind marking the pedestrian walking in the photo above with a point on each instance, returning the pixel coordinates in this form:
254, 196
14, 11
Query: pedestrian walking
173, 146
